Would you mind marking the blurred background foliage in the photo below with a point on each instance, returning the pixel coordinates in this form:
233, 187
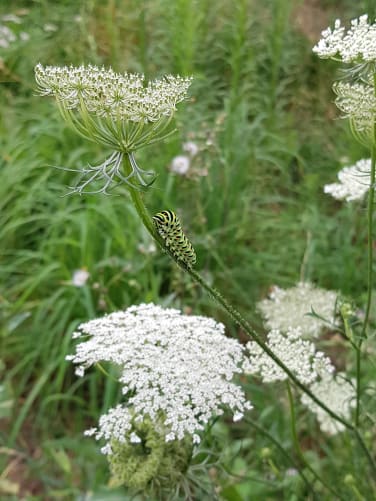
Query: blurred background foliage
261, 112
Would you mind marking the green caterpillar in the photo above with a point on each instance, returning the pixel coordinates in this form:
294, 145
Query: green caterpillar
168, 226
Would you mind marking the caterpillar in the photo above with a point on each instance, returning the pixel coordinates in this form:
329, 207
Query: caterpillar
168, 226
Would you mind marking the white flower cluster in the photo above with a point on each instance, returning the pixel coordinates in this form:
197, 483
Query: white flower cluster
357, 102
172, 365
353, 182
105, 93
355, 45
337, 394
299, 355
292, 307
286, 313
7, 36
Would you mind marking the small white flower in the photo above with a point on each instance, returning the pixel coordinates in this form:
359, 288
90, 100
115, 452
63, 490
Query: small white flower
24, 36
238, 416
180, 165
337, 394
80, 277
149, 248
50, 27
291, 472
11, 18
353, 182
300, 356
354, 45
191, 148
292, 308
134, 438
7, 37
172, 365
90, 432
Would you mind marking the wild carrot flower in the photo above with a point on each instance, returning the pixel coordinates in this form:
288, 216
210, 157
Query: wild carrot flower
116, 110
358, 44
336, 393
175, 370
357, 102
299, 355
353, 182
294, 307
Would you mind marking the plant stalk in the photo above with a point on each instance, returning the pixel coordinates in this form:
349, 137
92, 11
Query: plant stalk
270, 437
298, 449
236, 316
363, 335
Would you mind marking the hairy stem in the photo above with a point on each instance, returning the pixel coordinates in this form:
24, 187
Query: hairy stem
298, 449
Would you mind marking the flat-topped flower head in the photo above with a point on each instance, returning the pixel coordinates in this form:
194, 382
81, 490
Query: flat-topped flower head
116, 110
336, 393
293, 307
356, 45
299, 355
173, 367
353, 182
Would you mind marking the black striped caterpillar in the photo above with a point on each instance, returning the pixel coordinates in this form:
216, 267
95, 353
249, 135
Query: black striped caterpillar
168, 226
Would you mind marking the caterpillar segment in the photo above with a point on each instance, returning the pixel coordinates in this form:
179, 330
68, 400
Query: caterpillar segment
169, 227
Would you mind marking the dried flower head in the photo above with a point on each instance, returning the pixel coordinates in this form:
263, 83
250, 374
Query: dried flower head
358, 44
293, 307
173, 367
116, 110
299, 355
336, 393
353, 182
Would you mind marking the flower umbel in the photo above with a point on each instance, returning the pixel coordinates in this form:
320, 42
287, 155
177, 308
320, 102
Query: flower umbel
338, 394
299, 355
293, 307
176, 370
357, 102
353, 182
115, 110
358, 44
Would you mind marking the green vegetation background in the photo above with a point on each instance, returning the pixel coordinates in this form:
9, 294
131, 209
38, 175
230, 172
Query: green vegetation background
261, 110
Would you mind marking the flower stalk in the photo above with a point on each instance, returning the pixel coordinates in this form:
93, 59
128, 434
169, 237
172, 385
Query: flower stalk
220, 299
363, 335
239, 320
298, 449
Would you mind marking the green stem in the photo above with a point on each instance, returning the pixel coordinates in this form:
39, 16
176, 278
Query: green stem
262, 430
363, 335
298, 449
235, 315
